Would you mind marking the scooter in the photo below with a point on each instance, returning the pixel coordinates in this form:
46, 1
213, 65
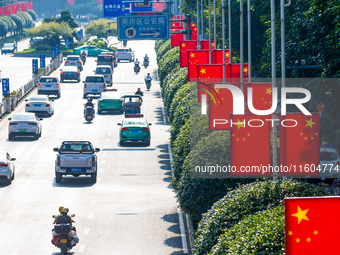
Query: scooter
148, 83
136, 69
83, 58
89, 113
146, 63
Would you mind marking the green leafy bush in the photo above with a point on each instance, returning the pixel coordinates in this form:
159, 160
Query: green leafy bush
168, 63
243, 201
158, 44
181, 98
262, 233
32, 13
162, 49
169, 78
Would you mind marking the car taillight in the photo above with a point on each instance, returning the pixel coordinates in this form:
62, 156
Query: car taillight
13, 123
145, 129
62, 73
66, 62
124, 129
57, 85
3, 164
58, 161
76, 73
27, 105
47, 105
84, 85
101, 100
104, 86
93, 161
32, 124
39, 85
79, 62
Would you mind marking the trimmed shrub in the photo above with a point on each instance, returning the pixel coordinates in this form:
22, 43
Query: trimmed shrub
162, 49
3, 28
181, 98
158, 44
20, 22
168, 63
169, 78
27, 18
262, 233
32, 13
246, 200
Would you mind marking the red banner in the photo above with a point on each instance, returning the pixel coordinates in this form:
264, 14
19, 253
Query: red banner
1, 11
8, 10
207, 74
14, 8
262, 95
196, 57
23, 7
183, 48
175, 39
312, 225
250, 145
300, 144
205, 45
233, 72
29, 5
217, 56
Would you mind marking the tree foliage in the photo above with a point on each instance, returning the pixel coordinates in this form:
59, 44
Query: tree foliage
100, 28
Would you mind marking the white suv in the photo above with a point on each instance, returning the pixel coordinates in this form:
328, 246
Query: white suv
94, 84
49, 86
106, 71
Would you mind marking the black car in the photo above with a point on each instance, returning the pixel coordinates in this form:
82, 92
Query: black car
107, 58
8, 48
69, 73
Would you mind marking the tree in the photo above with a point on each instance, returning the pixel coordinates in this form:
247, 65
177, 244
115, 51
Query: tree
100, 28
65, 16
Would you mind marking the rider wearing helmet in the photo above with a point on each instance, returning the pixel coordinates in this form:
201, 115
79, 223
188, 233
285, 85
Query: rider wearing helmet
146, 58
139, 92
148, 78
136, 62
89, 102
64, 218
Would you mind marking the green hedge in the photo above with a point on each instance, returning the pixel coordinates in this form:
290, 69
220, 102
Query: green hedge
181, 98
158, 44
32, 13
260, 234
162, 48
168, 63
246, 200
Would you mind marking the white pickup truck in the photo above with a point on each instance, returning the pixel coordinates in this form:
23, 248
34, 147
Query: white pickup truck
76, 158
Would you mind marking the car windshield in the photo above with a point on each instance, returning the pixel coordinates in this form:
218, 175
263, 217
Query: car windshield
103, 70
135, 122
133, 99
25, 117
106, 58
122, 50
38, 98
328, 156
8, 45
49, 79
70, 69
73, 58
76, 147
94, 79
111, 95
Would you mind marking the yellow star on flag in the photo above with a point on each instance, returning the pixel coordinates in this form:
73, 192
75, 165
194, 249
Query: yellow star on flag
183, 44
192, 55
308, 240
310, 123
316, 232
203, 71
239, 124
301, 215
269, 91
212, 44
245, 70
290, 233
195, 28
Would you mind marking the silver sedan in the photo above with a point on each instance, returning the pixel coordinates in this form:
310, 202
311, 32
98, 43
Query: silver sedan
40, 104
24, 124
7, 167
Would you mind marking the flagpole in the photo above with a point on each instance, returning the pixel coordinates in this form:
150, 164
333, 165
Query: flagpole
229, 14
241, 43
202, 22
209, 31
249, 41
273, 49
198, 27
215, 41
223, 40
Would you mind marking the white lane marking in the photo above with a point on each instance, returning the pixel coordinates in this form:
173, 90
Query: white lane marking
181, 226
82, 248
86, 231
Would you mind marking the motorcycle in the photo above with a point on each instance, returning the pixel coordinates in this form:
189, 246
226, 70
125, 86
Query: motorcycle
146, 63
136, 68
83, 59
64, 236
89, 113
148, 83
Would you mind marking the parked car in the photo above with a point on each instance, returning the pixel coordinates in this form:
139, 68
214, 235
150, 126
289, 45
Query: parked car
106, 71
9, 48
90, 49
39, 104
24, 124
330, 162
94, 84
110, 101
49, 85
7, 168
76, 158
73, 60
125, 54
69, 73
107, 59
134, 130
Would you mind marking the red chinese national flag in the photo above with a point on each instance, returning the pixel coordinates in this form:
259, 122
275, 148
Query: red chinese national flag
1, 11
234, 72
23, 7
262, 95
312, 225
14, 9
7, 10
196, 57
217, 56
300, 144
250, 145
220, 106
205, 45
184, 46
207, 74
29, 5
175, 39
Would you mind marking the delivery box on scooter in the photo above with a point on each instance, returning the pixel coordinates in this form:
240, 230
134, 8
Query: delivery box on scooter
62, 228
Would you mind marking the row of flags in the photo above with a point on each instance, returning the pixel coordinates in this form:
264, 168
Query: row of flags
9, 9
250, 146
310, 223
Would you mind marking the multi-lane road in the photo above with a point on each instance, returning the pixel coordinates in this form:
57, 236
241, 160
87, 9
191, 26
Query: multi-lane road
130, 210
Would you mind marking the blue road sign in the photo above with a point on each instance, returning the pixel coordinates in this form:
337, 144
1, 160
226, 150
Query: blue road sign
57, 50
5, 87
115, 8
139, 7
42, 61
35, 65
53, 52
67, 43
144, 27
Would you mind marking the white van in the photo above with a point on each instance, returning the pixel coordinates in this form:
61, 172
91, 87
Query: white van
94, 84
106, 71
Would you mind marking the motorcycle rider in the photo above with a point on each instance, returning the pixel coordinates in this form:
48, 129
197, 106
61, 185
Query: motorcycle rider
136, 65
139, 92
83, 57
89, 103
146, 58
148, 79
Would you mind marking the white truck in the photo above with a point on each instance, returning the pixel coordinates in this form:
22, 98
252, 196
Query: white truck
76, 158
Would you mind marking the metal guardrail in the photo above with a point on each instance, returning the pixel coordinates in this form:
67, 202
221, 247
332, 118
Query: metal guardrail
6, 106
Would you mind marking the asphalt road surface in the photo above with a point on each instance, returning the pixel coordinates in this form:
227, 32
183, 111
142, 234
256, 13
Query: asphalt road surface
130, 210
